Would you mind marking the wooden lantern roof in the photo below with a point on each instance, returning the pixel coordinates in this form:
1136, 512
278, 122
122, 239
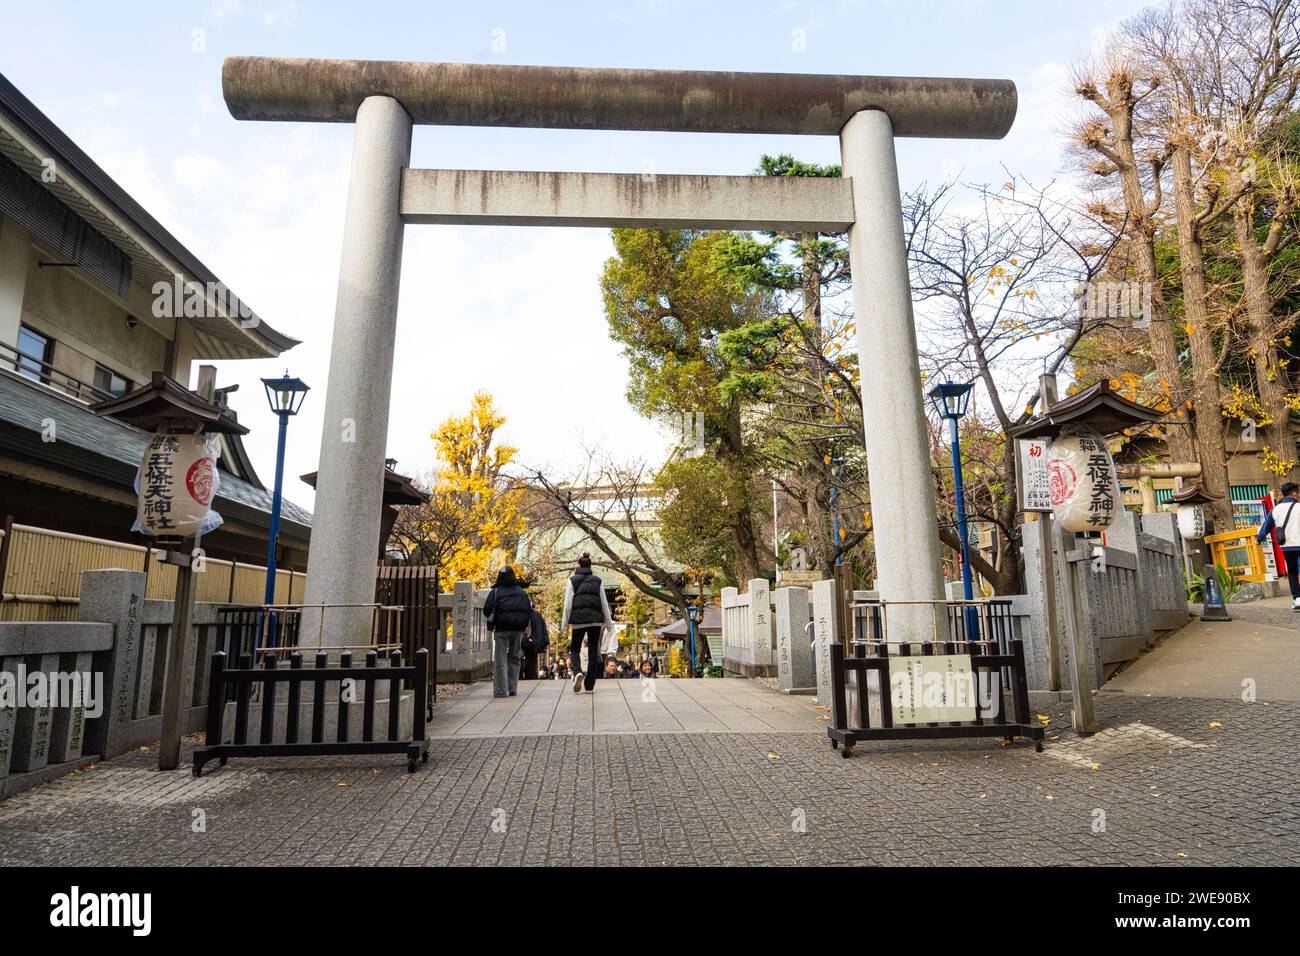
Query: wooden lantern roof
1096, 407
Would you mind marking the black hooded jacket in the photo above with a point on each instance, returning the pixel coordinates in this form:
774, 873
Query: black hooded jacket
507, 607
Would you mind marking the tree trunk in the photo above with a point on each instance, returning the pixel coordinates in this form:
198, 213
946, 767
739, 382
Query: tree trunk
816, 473
739, 494
1270, 377
1207, 396
1180, 430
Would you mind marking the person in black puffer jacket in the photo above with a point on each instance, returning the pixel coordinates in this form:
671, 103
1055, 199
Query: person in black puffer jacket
586, 609
508, 613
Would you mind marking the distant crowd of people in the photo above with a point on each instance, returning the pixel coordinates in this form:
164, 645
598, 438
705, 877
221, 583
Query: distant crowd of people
521, 637
614, 668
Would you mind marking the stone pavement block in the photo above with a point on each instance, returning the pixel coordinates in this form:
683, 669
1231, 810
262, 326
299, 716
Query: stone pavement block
611, 713
647, 709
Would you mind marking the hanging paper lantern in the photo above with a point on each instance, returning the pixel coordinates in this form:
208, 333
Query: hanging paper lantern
176, 485
1081, 476
1191, 522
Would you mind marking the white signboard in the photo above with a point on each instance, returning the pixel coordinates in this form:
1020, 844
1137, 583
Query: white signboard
1034, 487
933, 689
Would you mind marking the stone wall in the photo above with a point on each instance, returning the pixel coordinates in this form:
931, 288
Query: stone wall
748, 635
470, 655
121, 641
1129, 591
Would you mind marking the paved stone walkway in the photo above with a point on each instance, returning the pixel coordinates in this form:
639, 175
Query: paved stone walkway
1161, 785
663, 705
1218, 660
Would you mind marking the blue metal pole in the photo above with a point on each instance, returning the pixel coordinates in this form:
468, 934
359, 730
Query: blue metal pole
274, 531
690, 626
959, 489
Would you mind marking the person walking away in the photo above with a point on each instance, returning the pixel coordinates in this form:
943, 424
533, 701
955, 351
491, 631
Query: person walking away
1284, 518
507, 612
536, 640
586, 610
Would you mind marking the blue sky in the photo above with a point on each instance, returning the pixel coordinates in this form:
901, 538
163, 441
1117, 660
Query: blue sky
516, 311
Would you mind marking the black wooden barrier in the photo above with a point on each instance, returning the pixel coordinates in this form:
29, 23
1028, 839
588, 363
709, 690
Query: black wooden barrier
240, 682
847, 729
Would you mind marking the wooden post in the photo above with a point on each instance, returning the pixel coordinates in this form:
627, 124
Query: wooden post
1085, 720
169, 749
6, 537
1047, 548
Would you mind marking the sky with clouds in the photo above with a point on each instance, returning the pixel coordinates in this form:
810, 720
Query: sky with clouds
516, 311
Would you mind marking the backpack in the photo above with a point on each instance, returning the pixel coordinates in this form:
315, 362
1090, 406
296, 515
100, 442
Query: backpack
1281, 528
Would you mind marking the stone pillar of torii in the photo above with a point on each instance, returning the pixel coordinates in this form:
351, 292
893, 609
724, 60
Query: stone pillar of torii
385, 98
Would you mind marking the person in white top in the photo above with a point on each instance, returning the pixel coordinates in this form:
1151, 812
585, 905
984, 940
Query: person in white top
1286, 522
586, 609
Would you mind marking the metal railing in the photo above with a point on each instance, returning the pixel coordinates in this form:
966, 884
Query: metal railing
22, 364
984, 622
981, 621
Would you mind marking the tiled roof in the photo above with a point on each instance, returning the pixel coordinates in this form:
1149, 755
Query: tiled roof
104, 447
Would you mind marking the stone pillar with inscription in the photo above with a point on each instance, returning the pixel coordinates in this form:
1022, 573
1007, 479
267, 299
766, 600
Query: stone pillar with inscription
794, 659
462, 625
760, 623
823, 614
114, 597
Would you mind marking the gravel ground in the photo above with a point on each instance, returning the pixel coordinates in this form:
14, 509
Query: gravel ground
446, 691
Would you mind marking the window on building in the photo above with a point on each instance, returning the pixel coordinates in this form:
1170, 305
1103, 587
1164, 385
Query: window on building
35, 353
109, 382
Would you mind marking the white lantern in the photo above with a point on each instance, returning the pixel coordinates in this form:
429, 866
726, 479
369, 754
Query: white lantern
1191, 522
1081, 475
176, 485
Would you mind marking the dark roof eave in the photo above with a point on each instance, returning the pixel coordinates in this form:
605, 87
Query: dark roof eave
71, 157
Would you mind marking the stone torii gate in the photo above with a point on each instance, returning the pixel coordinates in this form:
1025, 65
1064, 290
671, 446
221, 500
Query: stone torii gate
385, 98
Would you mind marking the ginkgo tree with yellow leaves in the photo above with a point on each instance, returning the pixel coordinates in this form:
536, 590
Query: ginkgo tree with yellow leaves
471, 477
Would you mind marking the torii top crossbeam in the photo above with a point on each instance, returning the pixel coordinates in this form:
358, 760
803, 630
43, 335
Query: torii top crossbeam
489, 94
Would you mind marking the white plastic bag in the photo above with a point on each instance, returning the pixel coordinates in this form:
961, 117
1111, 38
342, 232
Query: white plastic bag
1081, 474
175, 485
